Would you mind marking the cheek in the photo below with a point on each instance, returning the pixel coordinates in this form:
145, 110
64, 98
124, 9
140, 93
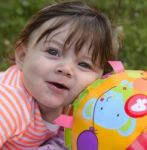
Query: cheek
85, 81
34, 64
32, 72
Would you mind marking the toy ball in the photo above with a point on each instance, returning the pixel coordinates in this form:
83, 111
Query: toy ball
111, 113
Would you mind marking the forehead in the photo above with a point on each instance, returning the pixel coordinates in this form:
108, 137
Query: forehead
60, 34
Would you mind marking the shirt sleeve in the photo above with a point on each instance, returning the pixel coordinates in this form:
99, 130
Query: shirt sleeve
11, 113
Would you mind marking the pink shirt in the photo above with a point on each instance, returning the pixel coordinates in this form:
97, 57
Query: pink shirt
21, 124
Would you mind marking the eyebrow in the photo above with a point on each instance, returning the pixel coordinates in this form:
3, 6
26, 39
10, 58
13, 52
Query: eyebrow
59, 43
87, 57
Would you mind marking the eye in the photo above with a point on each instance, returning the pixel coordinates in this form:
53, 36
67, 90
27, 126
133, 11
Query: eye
117, 115
85, 65
101, 108
53, 51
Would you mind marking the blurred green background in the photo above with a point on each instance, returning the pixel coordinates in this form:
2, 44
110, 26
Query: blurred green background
129, 15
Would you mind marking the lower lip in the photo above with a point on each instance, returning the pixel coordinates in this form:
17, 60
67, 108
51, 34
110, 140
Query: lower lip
55, 89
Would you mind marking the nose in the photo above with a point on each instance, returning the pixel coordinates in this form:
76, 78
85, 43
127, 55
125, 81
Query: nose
65, 70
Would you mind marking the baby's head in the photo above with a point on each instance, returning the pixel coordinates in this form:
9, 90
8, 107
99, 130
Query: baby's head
86, 25
62, 50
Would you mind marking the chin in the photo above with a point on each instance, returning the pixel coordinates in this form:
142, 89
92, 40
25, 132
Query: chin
55, 106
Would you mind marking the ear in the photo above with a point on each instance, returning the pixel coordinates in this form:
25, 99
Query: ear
88, 109
20, 53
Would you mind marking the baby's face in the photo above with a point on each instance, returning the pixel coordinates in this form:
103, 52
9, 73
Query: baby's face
52, 75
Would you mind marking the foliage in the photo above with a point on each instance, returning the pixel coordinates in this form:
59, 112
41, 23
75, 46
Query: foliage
128, 15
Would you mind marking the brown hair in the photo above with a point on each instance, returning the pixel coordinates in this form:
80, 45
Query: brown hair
87, 24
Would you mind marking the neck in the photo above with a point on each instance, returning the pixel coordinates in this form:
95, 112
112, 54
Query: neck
49, 114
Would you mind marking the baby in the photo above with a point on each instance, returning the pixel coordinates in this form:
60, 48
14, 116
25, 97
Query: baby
63, 48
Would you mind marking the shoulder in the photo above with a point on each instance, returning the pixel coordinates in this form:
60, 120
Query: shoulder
12, 90
12, 76
15, 103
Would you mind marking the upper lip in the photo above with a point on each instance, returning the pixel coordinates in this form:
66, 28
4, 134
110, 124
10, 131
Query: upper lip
59, 85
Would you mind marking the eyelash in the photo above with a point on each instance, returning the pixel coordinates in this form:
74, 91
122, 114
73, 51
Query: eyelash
85, 65
53, 52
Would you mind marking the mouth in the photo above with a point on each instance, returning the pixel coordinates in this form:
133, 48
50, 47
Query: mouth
59, 85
